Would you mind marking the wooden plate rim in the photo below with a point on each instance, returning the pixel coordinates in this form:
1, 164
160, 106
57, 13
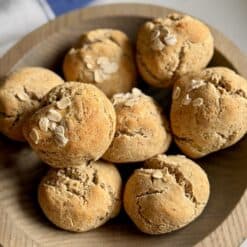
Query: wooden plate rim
237, 58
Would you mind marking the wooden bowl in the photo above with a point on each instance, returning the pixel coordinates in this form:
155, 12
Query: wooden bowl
224, 221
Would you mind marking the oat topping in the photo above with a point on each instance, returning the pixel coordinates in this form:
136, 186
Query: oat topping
44, 123
161, 37
63, 103
110, 68
186, 100
170, 39
215, 77
34, 135
61, 139
54, 123
196, 84
101, 68
54, 115
62, 90
106, 65
176, 93
88, 60
105, 69
157, 174
197, 102
52, 126
128, 99
22, 96
60, 172
59, 130
99, 76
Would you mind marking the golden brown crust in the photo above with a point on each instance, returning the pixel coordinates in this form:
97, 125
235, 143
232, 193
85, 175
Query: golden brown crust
170, 47
169, 193
20, 95
66, 134
104, 57
215, 114
82, 198
142, 130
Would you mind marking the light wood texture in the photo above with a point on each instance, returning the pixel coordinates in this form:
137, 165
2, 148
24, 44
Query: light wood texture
223, 223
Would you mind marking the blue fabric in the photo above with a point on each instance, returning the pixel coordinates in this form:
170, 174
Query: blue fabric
60, 7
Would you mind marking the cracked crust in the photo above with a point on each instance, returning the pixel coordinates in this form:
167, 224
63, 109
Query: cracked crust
89, 125
142, 131
192, 51
82, 198
32, 83
219, 122
109, 43
169, 202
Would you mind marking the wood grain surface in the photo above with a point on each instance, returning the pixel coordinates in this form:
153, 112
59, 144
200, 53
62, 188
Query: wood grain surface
223, 223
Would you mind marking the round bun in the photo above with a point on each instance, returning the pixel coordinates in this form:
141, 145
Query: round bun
169, 193
82, 198
76, 124
141, 130
20, 95
170, 47
105, 58
209, 111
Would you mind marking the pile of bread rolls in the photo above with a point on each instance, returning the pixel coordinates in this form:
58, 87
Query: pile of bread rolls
97, 118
